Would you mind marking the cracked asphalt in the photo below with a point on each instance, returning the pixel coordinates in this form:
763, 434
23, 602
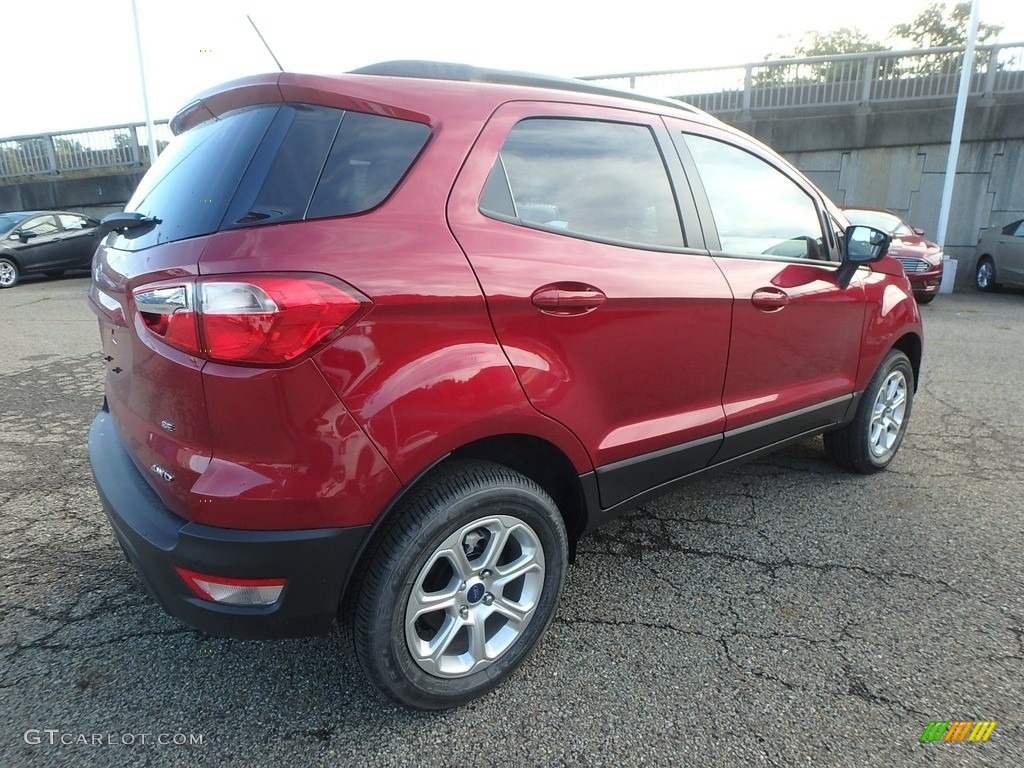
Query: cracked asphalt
785, 613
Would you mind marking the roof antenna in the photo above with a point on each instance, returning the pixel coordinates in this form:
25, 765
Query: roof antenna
262, 40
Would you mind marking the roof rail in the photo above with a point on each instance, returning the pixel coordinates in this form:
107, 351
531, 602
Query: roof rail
442, 70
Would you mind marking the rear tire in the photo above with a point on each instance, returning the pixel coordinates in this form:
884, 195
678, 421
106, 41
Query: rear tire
8, 273
924, 298
985, 275
870, 442
459, 586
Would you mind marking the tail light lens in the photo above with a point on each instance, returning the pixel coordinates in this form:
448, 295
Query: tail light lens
231, 591
257, 320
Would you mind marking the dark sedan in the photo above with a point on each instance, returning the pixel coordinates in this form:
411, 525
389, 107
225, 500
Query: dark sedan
45, 241
921, 259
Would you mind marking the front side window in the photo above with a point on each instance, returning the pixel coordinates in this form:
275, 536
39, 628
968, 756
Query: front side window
758, 210
597, 180
41, 225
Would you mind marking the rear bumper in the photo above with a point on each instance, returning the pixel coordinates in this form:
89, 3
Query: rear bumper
315, 562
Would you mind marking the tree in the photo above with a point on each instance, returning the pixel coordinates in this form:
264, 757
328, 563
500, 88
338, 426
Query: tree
70, 153
844, 40
934, 29
840, 41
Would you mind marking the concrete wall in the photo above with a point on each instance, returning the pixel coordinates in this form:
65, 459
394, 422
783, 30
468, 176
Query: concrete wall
896, 159
892, 157
93, 196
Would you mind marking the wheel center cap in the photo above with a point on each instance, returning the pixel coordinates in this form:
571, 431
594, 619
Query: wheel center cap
475, 593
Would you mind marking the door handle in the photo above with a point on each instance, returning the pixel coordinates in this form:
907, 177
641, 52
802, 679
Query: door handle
769, 299
563, 299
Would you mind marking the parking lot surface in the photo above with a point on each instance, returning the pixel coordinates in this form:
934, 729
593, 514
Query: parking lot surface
785, 613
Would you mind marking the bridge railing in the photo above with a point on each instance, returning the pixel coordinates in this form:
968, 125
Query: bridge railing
857, 78
863, 78
50, 154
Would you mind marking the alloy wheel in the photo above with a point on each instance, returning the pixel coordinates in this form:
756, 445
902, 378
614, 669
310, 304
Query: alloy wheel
888, 414
474, 596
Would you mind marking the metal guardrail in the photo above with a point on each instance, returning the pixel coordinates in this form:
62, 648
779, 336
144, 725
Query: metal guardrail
859, 78
51, 154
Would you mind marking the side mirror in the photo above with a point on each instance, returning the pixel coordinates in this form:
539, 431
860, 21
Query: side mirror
25, 236
918, 231
861, 245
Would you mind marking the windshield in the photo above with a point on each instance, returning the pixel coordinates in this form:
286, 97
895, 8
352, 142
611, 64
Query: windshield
879, 220
7, 221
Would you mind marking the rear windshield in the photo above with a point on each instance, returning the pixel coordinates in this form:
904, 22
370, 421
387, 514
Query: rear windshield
270, 164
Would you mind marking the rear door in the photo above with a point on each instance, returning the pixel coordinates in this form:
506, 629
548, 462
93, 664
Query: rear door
796, 334
602, 295
80, 240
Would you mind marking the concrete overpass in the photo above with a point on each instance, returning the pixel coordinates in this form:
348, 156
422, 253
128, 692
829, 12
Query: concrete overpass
869, 129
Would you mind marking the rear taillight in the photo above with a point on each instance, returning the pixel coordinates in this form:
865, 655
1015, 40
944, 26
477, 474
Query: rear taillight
254, 320
231, 591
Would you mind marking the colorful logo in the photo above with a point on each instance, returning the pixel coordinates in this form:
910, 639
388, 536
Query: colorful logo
958, 730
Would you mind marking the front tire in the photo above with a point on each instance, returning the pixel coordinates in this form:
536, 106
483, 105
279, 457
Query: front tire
925, 298
459, 587
870, 442
8, 273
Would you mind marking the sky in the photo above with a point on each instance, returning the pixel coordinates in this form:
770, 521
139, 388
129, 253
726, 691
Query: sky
81, 70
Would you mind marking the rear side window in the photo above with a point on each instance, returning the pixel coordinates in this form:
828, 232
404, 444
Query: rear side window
368, 159
271, 164
593, 179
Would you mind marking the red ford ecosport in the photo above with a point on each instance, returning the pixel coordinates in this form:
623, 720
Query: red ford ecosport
389, 343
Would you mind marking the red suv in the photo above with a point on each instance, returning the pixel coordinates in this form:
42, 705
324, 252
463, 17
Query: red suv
383, 346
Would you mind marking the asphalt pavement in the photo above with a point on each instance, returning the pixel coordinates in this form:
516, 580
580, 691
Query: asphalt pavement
785, 613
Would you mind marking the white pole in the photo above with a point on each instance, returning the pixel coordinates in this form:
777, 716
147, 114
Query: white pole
958, 126
145, 95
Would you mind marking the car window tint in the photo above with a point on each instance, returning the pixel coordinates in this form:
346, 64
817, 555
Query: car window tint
281, 178
758, 210
370, 156
40, 225
1019, 230
191, 184
587, 178
73, 222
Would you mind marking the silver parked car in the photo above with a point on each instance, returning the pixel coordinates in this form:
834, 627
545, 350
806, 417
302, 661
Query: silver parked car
1000, 257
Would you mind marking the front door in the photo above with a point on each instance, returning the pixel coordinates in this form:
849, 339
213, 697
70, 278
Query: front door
796, 333
616, 325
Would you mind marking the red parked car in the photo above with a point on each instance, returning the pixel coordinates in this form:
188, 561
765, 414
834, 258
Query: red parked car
921, 258
385, 345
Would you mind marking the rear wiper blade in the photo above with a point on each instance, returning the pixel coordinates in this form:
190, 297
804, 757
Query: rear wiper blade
123, 221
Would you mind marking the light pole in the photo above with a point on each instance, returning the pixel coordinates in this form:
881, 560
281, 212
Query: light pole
958, 126
145, 95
